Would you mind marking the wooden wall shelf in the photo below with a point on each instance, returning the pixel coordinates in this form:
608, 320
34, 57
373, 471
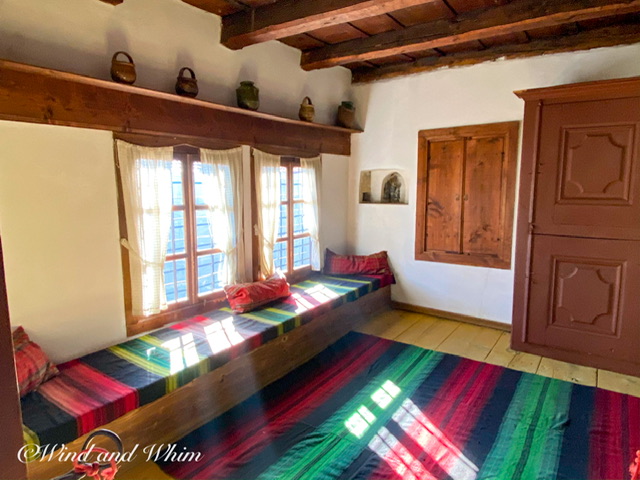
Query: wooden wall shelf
40, 95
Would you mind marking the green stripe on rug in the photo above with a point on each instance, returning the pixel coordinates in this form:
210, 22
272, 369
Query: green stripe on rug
523, 442
332, 444
545, 444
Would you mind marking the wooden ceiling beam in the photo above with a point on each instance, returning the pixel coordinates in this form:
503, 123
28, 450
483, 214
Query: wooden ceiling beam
113, 2
291, 17
515, 17
602, 37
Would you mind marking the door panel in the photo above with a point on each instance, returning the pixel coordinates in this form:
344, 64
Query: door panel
444, 203
483, 191
588, 181
584, 296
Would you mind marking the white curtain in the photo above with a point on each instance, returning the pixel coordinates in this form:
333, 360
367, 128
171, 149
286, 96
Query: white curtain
267, 174
311, 177
222, 188
147, 192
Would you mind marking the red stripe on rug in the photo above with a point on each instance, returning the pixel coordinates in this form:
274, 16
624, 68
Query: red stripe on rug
468, 389
238, 441
606, 436
634, 431
89, 396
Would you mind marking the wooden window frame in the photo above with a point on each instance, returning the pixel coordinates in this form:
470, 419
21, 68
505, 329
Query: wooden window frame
195, 304
293, 274
509, 131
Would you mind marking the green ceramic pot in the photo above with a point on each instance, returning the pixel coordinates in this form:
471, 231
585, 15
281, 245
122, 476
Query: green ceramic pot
248, 96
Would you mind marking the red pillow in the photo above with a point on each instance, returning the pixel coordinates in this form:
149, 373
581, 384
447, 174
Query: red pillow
244, 297
32, 364
374, 264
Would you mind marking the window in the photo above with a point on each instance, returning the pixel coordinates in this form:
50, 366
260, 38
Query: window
180, 210
466, 194
292, 251
194, 264
285, 214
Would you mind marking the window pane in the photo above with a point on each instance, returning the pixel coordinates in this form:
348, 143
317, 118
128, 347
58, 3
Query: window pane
175, 280
297, 183
280, 256
203, 232
176, 180
301, 252
210, 273
283, 184
199, 171
298, 218
282, 228
176, 242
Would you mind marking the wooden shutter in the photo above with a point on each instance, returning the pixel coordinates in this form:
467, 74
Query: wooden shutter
466, 185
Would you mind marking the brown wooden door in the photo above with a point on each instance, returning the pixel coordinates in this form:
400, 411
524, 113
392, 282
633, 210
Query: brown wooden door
582, 286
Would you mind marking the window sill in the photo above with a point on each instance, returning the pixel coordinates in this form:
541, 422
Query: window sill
137, 324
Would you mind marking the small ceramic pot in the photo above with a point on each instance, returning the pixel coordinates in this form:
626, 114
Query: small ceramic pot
121, 71
248, 96
187, 86
346, 115
307, 110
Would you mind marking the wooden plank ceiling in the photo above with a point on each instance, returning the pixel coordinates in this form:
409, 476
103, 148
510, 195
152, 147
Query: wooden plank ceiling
378, 39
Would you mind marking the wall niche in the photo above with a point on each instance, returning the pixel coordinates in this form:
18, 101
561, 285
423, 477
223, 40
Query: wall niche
383, 186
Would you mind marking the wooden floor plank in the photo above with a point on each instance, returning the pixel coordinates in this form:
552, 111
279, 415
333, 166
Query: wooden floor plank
501, 354
568, 372
618, 382
428, 332
471, 341
525, 362
390, 324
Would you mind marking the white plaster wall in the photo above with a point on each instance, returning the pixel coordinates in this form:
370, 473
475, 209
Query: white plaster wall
60, 239
58, 211
334, 201
162, 36
392, 112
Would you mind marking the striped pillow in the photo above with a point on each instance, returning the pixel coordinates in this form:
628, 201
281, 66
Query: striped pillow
244, 297
33, 367
374, 264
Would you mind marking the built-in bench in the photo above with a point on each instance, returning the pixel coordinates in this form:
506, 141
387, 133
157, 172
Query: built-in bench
160, 386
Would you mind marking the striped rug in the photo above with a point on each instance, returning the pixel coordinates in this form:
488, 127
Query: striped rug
369, 408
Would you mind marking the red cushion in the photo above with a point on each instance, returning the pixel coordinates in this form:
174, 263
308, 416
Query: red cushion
374, 264
244, 297
32, 364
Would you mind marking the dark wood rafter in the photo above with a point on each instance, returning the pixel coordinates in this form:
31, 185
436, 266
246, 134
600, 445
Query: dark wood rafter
602, 37
291, 17
40, 95
515, 17
113, 2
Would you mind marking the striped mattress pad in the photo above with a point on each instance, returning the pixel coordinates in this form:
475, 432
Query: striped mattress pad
100, 387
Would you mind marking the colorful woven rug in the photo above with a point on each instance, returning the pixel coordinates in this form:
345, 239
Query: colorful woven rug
369, 408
